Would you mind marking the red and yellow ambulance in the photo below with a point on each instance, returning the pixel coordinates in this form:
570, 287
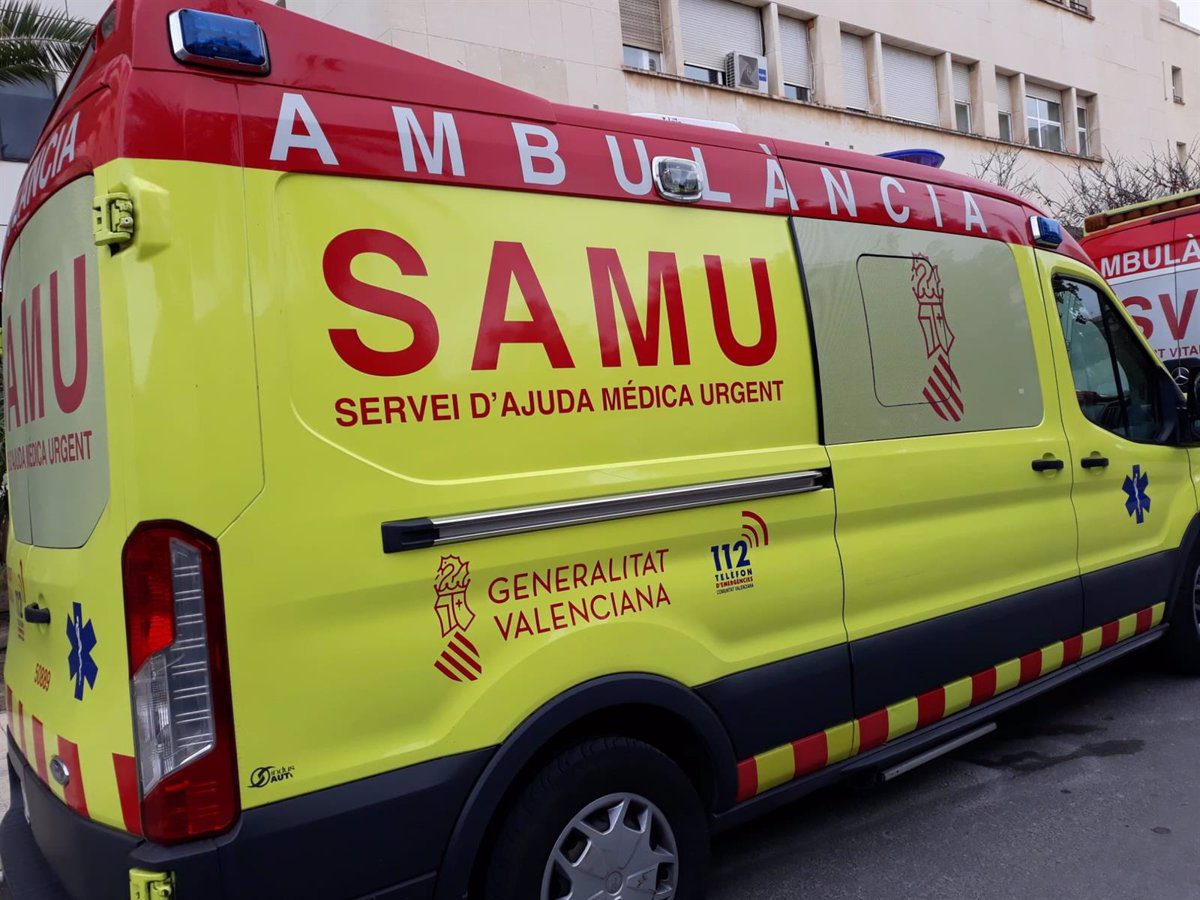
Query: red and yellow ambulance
1150, 254
421, 489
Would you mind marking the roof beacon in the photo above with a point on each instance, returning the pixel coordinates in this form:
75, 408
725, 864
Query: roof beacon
219, 42
922, 157
1046, 232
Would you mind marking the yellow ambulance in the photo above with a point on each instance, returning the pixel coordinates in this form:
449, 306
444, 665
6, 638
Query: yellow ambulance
420, 489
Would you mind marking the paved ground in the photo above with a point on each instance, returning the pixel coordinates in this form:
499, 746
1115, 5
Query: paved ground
1092, 791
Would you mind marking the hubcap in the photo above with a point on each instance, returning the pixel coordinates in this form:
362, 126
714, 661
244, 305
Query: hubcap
619, 846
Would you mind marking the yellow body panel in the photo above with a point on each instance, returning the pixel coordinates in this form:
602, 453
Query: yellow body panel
234, 404
333, 643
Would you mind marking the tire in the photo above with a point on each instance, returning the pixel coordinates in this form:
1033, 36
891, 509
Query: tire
1181, 646
623, 790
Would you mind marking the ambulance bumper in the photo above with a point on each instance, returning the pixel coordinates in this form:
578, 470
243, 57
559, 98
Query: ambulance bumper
382, 836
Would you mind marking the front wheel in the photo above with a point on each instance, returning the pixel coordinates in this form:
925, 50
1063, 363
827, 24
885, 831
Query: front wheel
1181, 645
611, 817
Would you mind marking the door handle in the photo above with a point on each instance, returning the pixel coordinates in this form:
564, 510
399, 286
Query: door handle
1047, 465
39, 615
1094, 462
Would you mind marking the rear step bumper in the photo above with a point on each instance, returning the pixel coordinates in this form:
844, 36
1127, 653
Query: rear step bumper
382, 836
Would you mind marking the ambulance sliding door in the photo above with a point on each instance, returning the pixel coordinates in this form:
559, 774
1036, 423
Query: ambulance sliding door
938, 397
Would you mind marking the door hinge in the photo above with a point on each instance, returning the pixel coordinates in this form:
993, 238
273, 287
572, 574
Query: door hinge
112, 219
146, 885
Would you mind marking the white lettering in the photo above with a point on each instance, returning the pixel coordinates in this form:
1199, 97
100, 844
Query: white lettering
286, 137
530, 152
445, 137
937, 207
44, 171
645, 180
1192, 250
887, 184
66, 149
709, 193
972, 212
842, 190
778, 187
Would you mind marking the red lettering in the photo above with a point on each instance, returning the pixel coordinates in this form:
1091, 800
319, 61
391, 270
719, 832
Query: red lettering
736, 352
69, 396
509, 262
1142, 322
347, 415
339, 256
370, 410
1177, 325
662, 278
31, 357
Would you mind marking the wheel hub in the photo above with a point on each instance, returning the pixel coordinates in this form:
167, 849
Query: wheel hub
620, 846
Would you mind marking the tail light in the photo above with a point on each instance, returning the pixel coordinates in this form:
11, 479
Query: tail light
183, 720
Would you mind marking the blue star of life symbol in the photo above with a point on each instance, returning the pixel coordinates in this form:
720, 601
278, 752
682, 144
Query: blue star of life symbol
83, 641
1138, 502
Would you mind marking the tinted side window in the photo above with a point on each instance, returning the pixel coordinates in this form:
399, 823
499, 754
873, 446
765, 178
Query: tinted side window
917, 333
24, 108
1116, 381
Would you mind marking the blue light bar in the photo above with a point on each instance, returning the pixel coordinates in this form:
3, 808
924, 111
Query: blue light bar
1046, 232
219, 42
922, 157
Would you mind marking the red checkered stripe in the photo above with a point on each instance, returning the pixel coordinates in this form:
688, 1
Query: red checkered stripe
802, 757
30, 736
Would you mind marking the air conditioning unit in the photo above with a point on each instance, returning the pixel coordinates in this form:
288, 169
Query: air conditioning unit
746, 70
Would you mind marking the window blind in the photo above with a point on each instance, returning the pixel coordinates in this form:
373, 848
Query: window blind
713, 28
641, 24
910, 85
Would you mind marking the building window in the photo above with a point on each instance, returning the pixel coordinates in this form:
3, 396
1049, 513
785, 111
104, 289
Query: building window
712, 29
638, 58
1006, 126
641, 34
1005, 105
1044, 120
854, 71
961, 77
796, 59
700, 73
910, 85
1177, 83
24, 108
1181, 152
1083, 7
1081, 123
962, 117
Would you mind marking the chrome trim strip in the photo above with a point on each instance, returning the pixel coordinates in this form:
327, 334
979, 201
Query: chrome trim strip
412, 534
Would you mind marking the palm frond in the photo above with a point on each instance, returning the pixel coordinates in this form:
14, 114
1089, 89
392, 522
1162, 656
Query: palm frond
37, 43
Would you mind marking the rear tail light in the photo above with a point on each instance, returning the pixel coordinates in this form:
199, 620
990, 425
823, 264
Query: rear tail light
183, 722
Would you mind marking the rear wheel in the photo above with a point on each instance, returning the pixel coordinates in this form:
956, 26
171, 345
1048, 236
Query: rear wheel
1182, 643
611, 818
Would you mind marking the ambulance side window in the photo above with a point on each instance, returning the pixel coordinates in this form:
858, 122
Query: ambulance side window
918, 334
1116, 381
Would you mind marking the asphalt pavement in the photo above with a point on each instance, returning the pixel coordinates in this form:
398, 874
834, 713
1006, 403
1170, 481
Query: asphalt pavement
1091, 791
